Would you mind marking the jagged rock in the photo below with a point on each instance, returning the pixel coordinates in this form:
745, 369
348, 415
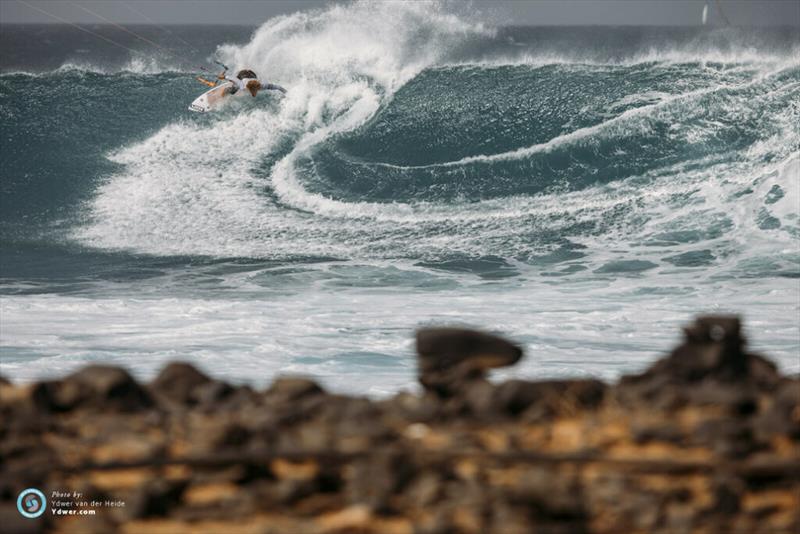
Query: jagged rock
179, 381
230, 436
213, 393
290, 389
222, 396
521, 398
424, 490
13, 523
373, 481
782, 417
669, 433
713, 346
727, 492
183, 384
706, 440
547, 398
728, 437
449, 356
762, 373
409, 407
476, 398
292, 400
154, 499
97, 386
710, 367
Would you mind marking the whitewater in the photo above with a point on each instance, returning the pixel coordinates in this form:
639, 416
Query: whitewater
584, 191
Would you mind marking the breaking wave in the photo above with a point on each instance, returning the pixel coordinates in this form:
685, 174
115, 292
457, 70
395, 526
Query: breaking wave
411, 132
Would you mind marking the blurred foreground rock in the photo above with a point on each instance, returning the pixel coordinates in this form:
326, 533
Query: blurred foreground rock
705, 440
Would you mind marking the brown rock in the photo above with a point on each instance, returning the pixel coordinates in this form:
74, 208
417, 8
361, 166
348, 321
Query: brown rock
727, 437
736, 398
782, 417
714, 345
448, 356
727, 495
406, 406
289, 389
211, 394
353, 519
762, 372
154, 499
179, 381
99, 387
13, 523
707, 368
219, 395
374, 480
425, 490
476, 398
468, 455
669, 433
548, 398
230, 435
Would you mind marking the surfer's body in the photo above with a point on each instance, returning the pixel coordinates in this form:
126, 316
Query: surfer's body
247, 80
226, 86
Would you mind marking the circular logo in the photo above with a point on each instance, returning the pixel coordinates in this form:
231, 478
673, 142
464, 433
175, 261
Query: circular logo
31, 503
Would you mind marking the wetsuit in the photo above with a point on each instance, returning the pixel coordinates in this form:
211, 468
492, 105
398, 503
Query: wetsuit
241, 85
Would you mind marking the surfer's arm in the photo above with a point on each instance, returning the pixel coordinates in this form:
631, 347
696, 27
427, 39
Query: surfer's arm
273, 87
208, 83
237, 83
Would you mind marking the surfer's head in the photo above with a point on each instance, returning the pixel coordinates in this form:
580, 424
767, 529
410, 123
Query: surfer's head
246, 73
253, 86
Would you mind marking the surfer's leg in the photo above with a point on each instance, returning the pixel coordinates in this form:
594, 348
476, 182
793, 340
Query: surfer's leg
273, 87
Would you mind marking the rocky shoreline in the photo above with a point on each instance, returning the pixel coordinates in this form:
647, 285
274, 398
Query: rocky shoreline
706, 440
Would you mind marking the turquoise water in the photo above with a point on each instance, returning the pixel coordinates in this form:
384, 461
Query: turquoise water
583, 190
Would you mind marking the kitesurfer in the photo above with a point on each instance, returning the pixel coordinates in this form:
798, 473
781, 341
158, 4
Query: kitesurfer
248, 80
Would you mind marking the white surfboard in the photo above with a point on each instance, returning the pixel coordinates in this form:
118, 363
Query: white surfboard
211, 98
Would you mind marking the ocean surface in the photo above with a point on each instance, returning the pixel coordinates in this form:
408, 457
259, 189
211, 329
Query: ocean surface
583, 191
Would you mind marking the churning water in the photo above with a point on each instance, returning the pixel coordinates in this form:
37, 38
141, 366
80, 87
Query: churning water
584, 191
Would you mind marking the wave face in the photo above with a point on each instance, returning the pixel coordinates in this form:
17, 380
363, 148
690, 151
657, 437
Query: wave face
420, 149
